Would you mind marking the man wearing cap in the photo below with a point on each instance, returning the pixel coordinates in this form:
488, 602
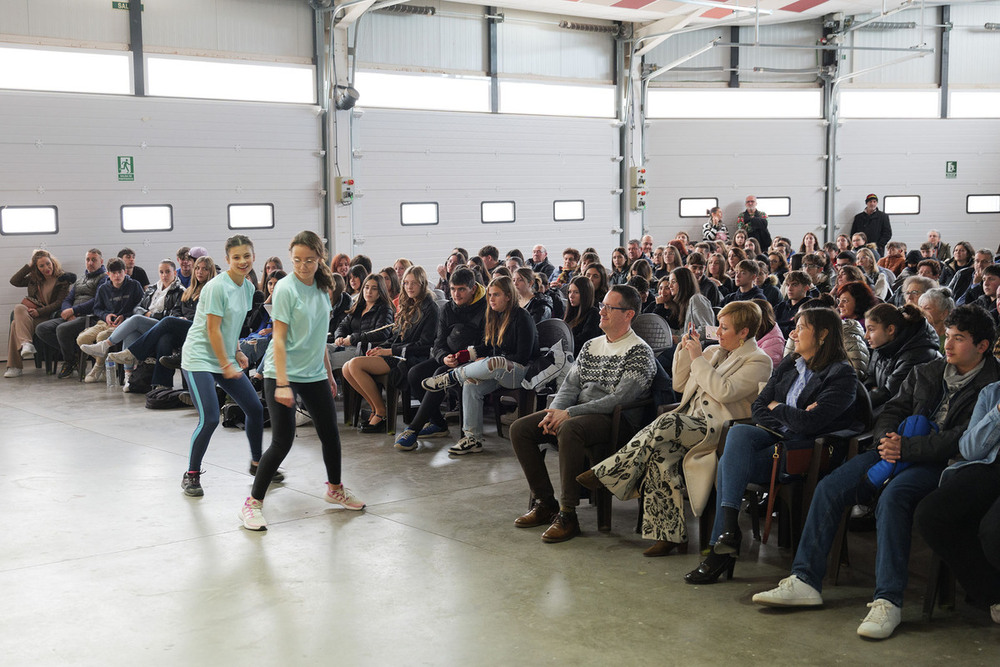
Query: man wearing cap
873, 223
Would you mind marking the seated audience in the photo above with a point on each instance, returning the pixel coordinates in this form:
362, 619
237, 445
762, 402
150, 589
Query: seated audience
983, 259
598, 275
413, 334
989, 285
369, 322
582, 315
400, 266
767, 284
936, 305
619, 266
797, 287
455, 260
714, 228
116, 298
853, 301
539, 306
677, 451
341, 264
913, 287
746, 283
942, 392
611, 370
499, 359
696, 262
490, 256
570, 267
47, 287
876, 278
355, 277
901, 339
810, 392
540, 263
769, 338
392, 284
894, 260
134, 272
717, 273
688, 307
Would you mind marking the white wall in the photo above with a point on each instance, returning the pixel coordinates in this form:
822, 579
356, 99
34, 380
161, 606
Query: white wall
730, 159
199, 156
461, 160
907, 157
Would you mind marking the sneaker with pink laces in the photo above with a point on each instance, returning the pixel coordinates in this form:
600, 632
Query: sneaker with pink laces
341, 495
252, 514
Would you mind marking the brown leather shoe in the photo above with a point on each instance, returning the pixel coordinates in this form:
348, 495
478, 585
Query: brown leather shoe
665, 548
564, 527
540, 514
589, 480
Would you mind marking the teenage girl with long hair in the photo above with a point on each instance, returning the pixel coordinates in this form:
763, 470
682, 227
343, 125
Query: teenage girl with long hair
296, 365
509, 342
211, 356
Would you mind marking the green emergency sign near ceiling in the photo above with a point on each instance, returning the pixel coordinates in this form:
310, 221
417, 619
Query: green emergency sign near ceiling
951, 169
126, 168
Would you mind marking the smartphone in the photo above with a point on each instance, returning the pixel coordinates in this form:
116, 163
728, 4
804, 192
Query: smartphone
712, 333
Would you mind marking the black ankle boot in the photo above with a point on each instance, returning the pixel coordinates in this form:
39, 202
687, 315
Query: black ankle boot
711, 569
731, 538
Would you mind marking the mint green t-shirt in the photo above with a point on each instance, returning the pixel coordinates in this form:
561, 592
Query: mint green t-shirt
222, 297
306, 311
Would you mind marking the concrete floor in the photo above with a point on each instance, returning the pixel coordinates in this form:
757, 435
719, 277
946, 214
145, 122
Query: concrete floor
105, 562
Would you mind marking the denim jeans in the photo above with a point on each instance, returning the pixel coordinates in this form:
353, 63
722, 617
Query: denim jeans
168, 335
746, 458
129, 331
489, 374
893, 523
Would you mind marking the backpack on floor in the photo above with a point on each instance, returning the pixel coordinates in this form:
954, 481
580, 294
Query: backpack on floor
164, 399
141, 380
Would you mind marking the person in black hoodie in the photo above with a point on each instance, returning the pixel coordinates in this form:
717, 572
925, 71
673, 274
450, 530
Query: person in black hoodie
500, 359
368, 323
538, 305
460, 325
413, 335
901, 339
582, 316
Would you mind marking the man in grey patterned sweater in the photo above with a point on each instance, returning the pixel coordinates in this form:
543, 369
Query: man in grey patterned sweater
611, 370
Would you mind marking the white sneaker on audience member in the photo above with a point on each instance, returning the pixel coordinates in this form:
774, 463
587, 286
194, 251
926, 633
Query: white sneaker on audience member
12, 372
125, 358
97, 349
881, 621
791, 592
28, 351
96, 373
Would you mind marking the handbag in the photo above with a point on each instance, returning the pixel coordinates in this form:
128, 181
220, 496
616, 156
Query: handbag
31, 304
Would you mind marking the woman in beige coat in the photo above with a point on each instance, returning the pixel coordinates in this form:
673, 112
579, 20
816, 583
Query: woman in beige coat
45, 294
718, 384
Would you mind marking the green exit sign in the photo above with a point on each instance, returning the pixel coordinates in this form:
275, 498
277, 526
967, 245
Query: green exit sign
118, 4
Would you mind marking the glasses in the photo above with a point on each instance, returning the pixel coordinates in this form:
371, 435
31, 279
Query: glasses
312, 261
601, 306
913, 292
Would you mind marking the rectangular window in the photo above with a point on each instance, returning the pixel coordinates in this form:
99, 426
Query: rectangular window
147, 218
734, 103
567, 210
890, 104
697, 208
425, 213
251, 216
974, 104
423, 91
497, 211
982, 204
222, 80
65, 70
29, 220
901, 204
555, 99
775, 207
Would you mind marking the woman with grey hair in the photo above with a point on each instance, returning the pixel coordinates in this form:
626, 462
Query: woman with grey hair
936, 304
913, 288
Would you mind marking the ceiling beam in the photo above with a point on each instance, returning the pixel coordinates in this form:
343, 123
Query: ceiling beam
660, 27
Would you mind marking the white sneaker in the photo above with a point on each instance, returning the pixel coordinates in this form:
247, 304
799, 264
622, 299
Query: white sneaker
995, 612
97, 373
12, 372
881, 620
791, 592
97, 349
342, 496
125, 358
252, 515
28, 351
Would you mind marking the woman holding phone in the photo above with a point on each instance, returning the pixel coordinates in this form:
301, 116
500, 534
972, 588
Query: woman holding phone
211, 356
296, 364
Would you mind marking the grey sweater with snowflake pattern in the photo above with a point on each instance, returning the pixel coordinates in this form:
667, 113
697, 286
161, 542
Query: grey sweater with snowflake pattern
606, 375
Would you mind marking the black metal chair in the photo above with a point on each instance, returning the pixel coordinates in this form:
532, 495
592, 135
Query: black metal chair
654, 330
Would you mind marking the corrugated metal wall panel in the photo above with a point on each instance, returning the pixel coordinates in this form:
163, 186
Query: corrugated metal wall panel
919, 72
970, 42
533, 44
77, 20
728, 160
680, 45
802, 33
455, 42
267, 28
876, 155
190, 162
461, 160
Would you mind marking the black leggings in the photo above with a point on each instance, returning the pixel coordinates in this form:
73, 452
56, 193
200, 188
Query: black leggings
319, 401
430, 401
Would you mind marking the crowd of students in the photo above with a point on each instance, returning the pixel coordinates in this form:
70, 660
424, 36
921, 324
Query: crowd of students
762, 330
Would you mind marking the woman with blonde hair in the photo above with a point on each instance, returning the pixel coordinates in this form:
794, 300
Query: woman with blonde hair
876, 278
415, 327
509, 343
45, 294
677, 451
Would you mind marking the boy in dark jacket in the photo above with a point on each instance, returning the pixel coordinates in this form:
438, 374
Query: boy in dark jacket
945, 392
115, 301
461, 324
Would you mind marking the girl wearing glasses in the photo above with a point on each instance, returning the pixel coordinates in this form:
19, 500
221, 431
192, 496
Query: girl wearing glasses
296, 364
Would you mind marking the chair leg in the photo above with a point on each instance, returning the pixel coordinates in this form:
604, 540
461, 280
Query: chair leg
603, 510
391, 408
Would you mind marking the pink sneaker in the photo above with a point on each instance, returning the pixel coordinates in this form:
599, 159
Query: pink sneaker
341, 495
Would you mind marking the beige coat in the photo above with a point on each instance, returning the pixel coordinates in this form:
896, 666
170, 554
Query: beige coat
729, 385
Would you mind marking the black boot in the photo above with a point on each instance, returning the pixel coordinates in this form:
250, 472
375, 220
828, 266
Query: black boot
711, 569
729, 542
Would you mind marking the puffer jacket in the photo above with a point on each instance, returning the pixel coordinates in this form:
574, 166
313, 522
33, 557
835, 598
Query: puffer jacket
921, 394
890, 364
772, 344
360, 327
540, 307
